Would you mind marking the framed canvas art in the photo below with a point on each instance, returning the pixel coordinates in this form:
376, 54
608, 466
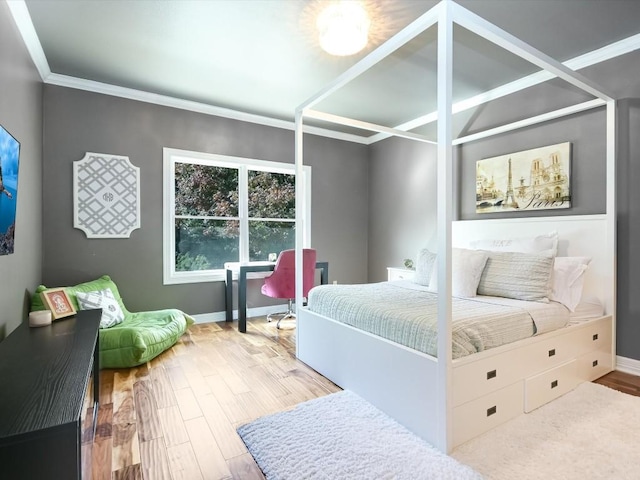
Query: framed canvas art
537, 179
9, 160
58, 302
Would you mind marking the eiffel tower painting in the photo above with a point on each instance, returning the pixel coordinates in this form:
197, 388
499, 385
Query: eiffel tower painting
542, 177
510, 201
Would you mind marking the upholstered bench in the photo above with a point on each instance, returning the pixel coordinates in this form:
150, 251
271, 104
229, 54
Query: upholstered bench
137, 338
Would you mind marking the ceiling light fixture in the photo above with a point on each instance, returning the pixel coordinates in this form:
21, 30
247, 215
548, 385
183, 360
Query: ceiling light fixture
343, 27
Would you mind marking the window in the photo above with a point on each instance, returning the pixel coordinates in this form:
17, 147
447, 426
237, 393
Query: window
221, 209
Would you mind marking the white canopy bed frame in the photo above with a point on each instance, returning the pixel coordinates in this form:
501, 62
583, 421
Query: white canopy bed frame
448, 401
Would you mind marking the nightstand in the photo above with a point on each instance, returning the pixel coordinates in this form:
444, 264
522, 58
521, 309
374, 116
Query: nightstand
395, 273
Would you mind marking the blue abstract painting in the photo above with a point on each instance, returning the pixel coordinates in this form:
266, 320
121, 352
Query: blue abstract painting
9, 159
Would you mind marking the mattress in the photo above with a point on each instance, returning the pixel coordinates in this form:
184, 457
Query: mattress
406, 313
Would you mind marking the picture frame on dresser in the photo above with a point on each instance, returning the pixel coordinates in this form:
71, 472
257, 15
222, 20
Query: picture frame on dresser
58, 302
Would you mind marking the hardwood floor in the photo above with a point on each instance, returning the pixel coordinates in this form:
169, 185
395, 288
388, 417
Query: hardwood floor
624, 382
175, 417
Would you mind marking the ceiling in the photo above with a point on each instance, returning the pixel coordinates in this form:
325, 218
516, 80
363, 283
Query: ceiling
260, 58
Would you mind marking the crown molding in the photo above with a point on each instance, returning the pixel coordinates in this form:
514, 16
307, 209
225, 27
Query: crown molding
198, 107
25, 26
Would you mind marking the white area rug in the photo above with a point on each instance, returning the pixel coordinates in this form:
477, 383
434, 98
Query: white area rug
591, 433
342, 437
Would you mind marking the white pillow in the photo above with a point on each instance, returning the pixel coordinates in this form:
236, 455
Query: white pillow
111, 312
544, 244
424, 266
567, 280
466, 270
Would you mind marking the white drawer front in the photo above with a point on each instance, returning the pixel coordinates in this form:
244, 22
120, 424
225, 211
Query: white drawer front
595, 337
546, 386
400, 274
483, 414
593, 365
553, 352
474, 380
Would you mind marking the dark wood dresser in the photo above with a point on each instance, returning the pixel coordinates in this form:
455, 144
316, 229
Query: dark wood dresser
48, 398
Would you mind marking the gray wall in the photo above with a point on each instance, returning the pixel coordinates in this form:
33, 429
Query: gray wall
402, 205
392, 233
588, 166
21, 115
76, 122
628, 198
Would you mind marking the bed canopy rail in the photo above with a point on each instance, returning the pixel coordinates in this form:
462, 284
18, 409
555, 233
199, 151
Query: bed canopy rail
445, 15
328, 117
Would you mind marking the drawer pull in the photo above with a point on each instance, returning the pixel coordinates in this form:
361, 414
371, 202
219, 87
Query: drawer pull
492, 374
594, 363
492, 410
552, 352
595, 337
554, 384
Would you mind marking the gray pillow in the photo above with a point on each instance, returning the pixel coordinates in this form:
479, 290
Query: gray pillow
424, 265
112, 314
523, 276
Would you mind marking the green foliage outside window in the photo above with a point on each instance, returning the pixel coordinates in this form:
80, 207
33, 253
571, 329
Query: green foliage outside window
207, 227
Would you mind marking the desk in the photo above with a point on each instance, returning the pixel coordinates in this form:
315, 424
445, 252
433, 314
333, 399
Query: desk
249, 267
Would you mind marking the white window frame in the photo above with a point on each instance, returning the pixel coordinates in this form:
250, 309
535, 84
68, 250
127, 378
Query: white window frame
171, 156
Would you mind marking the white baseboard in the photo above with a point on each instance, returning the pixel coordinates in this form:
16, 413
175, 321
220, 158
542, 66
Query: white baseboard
251, 312
628, 365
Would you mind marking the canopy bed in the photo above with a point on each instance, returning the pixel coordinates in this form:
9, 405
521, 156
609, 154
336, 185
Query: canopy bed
442, 392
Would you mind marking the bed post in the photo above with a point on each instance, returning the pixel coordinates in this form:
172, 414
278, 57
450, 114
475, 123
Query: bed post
299, 214
610, 302
445, 195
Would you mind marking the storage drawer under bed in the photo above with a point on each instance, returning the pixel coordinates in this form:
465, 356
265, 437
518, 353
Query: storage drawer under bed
474, 379
549, 385
483, 414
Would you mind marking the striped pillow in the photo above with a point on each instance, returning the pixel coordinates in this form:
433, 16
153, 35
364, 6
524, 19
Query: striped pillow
523, 276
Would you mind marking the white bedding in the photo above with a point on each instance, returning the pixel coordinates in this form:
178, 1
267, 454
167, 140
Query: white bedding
546, 316
406, 313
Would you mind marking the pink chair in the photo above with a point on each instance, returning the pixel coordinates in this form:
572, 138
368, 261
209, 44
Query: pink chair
282, 282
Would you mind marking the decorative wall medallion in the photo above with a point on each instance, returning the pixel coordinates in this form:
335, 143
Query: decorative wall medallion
106, 196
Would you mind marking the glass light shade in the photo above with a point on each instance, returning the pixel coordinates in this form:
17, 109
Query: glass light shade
343, 27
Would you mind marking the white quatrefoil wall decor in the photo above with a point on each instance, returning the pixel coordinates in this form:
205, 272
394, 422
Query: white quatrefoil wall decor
106, 196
